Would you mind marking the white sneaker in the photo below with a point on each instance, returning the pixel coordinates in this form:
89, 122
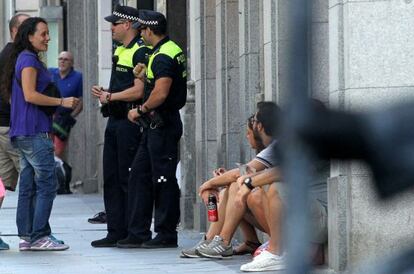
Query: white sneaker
265, 261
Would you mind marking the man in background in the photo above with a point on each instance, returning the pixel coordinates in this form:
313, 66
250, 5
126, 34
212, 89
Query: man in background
69, 82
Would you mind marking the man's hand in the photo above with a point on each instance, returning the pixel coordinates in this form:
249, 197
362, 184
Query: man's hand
139, 71
240, 180
103, 98
219, 171
97, 91
205, 194
133, 115
204, 187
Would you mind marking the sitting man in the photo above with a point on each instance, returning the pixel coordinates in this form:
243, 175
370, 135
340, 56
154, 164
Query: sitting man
264, 129
250, 236
274, 196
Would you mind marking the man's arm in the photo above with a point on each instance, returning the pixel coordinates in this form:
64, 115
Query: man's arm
158, 94
229, 177
128, 95
266, 177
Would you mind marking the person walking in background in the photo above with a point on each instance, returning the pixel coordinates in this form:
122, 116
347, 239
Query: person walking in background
9, 157
24, 80
69, 82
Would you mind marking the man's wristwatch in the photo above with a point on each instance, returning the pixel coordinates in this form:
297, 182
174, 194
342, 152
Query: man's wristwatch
248, 183
139, 110
108, 97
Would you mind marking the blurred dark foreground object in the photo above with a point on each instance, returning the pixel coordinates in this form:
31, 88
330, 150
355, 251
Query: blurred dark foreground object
383, 139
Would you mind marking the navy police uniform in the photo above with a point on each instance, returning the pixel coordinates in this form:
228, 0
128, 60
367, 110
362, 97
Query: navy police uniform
121, 136
153, 183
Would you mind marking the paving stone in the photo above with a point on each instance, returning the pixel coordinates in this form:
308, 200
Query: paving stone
69, 223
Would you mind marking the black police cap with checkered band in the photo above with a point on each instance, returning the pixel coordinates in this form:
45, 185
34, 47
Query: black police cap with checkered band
123, 12
150, 18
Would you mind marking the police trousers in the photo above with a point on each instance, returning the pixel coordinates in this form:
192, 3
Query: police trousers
121, 143
152, 182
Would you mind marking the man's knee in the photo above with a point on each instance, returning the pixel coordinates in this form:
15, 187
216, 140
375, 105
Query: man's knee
233, 189
273, 193
255, 198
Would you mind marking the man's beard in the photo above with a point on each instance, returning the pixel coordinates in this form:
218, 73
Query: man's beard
258, 139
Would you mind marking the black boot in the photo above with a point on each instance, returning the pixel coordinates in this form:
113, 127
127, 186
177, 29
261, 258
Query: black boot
161, 241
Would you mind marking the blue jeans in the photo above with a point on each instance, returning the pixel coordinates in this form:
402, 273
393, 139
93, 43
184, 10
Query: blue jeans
37, 185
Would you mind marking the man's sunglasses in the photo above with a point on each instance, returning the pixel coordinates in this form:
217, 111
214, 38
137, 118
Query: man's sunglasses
119, 22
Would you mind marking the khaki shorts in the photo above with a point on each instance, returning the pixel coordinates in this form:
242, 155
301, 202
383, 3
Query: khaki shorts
9, 160
318, 215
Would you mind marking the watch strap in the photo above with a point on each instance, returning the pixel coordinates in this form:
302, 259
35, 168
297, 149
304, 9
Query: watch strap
248, 183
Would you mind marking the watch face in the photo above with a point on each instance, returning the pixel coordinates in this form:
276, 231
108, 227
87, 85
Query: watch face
248, 183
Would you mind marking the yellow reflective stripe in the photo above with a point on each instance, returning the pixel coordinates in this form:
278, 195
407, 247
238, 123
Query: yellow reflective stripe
126, 55
170, 49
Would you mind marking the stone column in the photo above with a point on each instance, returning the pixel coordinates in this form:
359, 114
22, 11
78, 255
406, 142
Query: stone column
269, 63
371, 65
202, 70
227, 82
319, 51
250, 73
86, 139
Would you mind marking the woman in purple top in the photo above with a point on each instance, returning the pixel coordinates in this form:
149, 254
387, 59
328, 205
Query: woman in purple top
27, 77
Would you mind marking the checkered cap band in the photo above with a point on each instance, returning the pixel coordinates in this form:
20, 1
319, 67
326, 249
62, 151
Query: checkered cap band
148, 22
128, 17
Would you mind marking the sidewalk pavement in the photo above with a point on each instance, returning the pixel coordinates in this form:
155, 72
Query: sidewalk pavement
69, 223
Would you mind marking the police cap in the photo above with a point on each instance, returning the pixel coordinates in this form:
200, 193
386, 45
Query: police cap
150, 18
123, 12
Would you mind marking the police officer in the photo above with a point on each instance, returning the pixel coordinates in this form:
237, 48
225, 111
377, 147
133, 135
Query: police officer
121, 136
152, 180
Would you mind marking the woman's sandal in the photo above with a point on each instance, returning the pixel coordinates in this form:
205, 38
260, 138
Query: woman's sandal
247, 247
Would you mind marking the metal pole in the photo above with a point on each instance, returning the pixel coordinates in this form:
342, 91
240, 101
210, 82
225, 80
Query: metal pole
296, 155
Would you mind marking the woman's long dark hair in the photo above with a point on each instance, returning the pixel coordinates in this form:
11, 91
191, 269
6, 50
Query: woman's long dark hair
21, 43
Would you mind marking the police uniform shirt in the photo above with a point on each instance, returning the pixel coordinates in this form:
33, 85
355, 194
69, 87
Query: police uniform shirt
122, 76
164, 66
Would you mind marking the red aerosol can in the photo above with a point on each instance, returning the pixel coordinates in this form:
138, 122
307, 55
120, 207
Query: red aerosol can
212, 208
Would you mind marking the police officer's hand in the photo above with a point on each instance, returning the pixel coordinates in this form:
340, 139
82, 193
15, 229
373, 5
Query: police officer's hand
104, 97
133, 115
97, 91
139, 71
69, 102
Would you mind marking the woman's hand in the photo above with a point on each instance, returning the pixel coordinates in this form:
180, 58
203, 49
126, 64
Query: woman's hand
69, 102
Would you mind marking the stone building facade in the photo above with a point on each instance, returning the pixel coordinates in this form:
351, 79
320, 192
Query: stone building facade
360, 58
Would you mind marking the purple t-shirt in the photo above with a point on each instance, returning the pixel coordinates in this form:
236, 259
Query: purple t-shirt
25, 118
